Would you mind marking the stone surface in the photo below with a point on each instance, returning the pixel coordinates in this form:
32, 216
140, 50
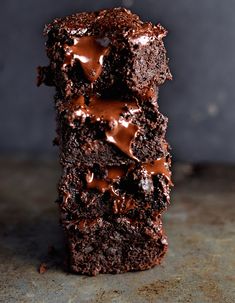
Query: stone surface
199, 267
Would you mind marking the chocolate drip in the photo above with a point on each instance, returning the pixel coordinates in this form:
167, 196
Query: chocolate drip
122, 132
159, 166
122, 136
90, 52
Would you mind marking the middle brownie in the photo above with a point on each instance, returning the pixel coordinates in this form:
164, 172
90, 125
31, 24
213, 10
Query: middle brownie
109, 131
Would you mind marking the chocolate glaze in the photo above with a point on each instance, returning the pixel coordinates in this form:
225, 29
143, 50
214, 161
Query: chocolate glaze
159, 166
90, 52
121, 133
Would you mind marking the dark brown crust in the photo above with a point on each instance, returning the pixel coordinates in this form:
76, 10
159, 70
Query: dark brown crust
116, 21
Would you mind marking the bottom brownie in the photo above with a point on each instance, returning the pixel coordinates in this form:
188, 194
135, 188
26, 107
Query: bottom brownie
98, 246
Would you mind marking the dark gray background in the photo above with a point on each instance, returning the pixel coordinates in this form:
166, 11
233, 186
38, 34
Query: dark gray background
199, 102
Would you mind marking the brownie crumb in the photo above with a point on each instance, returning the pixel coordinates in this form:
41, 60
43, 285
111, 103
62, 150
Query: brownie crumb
43, 268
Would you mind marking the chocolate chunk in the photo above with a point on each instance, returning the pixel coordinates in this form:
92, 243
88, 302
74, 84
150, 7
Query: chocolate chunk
90, 52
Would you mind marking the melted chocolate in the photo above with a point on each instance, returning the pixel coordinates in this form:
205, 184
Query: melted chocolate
122, 136
122, 132
159, 166
90, 52
74, 104
101, 185
121, 204
75, 108
114, 174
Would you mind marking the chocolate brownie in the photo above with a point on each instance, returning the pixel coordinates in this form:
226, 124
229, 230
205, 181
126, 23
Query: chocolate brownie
99, 246
134, 191
95, 130
107, 50
106, 67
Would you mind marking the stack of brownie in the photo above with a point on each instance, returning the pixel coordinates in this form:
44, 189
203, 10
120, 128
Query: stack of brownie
106, 67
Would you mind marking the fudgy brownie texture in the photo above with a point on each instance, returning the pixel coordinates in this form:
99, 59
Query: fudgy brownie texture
85, 137
106, 67
99, 246
122, 54
108, 192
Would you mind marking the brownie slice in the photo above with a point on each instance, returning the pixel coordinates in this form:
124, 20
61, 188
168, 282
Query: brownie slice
99, 246
110, 132
136, 192
107, 50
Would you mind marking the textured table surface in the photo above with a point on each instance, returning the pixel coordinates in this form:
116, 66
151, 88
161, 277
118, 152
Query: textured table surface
199, 266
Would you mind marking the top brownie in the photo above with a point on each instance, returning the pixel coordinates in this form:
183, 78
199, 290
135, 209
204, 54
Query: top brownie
112, 50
